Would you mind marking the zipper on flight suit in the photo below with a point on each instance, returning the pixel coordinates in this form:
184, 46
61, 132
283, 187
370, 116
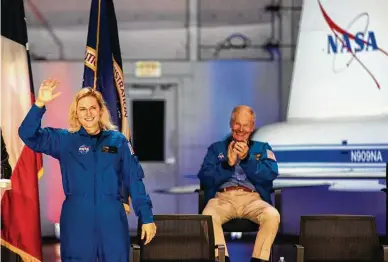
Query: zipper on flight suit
95, 146
95, 174
94, 169
94, 191
95, 152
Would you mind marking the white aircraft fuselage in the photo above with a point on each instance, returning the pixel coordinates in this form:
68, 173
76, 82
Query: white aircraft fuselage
340, 148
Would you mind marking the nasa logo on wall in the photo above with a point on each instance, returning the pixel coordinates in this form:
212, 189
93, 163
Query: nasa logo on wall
84, 149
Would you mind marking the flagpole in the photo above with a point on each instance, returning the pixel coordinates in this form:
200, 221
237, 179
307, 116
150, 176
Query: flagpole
97, 44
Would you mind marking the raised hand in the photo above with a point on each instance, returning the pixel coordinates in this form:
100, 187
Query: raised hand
46, 90
232, 155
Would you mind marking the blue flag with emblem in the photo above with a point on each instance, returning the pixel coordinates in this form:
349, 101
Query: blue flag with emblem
103, 66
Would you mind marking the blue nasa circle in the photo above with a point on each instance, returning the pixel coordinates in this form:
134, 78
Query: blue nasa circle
84, 149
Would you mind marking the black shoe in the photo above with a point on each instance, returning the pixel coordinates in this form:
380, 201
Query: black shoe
253, 259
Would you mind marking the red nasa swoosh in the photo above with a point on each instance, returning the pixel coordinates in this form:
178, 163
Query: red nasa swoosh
338, 30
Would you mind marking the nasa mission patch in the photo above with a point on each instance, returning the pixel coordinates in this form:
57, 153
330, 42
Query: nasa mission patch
130, 148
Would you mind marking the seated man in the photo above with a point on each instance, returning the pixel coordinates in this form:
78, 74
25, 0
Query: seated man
237, 175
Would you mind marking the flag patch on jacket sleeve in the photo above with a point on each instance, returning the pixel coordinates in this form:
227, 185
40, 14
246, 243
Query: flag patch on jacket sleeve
271, 155
130, 148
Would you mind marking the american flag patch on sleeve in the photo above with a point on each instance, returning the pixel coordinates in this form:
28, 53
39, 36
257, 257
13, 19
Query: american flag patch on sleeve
271, 155
130, 148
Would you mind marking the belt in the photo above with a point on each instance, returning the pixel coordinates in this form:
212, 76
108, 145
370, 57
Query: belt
239, 188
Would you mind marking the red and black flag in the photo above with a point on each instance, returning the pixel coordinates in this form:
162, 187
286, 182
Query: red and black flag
20, 228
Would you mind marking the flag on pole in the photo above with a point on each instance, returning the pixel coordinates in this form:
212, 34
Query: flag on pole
103, 65
20, 216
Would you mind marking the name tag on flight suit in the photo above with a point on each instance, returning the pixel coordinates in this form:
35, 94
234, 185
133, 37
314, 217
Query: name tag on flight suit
109, 149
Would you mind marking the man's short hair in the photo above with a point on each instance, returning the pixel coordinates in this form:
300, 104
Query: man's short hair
240, 108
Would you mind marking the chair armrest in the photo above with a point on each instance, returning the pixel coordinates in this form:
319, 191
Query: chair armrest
221, 252
201, 200
278, 200
135, 253
278, 206
299, 253
385, 253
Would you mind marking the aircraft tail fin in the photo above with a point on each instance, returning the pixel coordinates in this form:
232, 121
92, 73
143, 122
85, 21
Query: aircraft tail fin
341, 60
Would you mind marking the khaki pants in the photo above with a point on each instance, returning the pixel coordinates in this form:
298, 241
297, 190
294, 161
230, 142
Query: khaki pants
241, 204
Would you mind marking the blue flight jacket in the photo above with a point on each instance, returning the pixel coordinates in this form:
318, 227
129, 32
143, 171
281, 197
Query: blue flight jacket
93, 172
260, 168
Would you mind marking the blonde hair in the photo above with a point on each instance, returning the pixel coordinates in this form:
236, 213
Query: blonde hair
105, 119
242, 108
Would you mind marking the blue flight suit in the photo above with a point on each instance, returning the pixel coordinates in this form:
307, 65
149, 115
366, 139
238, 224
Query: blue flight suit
260, 167
93, 220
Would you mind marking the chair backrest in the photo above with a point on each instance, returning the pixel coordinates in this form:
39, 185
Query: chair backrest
339, 238
180, 237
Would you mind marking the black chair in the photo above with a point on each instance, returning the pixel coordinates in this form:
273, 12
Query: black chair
179, 238
240, 224
339, 238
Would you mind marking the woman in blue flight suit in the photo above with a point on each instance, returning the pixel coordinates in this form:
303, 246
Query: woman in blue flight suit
95, 161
